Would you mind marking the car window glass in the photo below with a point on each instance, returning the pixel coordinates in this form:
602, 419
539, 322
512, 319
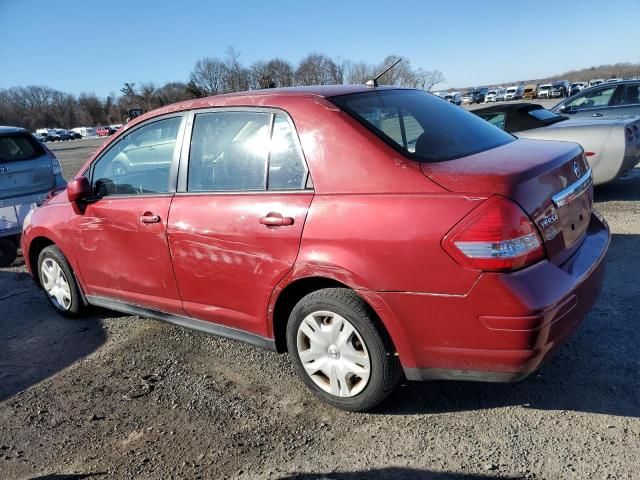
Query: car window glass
19, 147
434, 130
228, 152
286, 167
629, 95
140, 162
596, 98
496, 119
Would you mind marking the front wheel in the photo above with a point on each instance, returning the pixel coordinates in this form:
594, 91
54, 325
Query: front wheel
340, 352
58, 281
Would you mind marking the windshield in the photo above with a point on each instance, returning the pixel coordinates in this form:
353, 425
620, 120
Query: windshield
422, 126
511, 90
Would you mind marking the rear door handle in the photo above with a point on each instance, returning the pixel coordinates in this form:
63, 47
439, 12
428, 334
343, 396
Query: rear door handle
597, 115
149, 217
274, 219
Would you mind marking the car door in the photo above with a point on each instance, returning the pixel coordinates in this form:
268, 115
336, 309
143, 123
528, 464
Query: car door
236, 221
121, 245
591, 103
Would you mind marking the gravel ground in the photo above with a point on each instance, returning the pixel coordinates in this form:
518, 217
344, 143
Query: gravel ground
121, 397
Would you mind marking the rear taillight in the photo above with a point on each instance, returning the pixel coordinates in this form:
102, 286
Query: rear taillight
496, 236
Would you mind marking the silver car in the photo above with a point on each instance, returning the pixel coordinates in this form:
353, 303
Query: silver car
607, 99
611, 145
28, 172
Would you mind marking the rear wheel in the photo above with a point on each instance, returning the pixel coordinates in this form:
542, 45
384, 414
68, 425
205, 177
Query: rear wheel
58, 281
339, 352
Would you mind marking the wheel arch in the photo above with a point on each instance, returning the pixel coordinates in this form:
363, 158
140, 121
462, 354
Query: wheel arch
35, 247
293, 292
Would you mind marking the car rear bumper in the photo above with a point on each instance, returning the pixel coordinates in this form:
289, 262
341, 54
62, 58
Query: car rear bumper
506, 326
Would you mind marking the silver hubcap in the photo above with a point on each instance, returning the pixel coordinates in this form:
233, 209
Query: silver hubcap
55, 283
333, 354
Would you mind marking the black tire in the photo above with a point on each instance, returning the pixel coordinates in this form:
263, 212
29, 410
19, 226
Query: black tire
8, 251
385, 369
76, 307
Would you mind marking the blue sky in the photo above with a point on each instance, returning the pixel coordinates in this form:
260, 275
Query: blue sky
74, 46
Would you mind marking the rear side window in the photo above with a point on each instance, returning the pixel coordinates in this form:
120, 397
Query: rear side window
628, 95
229, 152
422, 126
15, 148
286, 167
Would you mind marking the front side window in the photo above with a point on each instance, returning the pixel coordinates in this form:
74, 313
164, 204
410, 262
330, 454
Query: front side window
229, 152
422, 126
596, 98
139, 163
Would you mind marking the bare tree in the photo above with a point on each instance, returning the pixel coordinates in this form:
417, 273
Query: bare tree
318, 69
236, 78
358, 72
426, 79
208, 77
281, 72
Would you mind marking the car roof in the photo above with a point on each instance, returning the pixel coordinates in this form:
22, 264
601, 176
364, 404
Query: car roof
4, 130
232, 99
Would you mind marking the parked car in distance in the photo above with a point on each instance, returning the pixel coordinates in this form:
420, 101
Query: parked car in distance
251, 227
479, 95
28, 172
577, 87
514, 93
454, 97
608, 99
596, 81
544, 91
491, 96
467, 97
501, 94
560, 89
102, 131
74, 135
530, 92
611, 145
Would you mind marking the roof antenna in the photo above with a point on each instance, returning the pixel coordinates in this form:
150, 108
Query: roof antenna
374, 81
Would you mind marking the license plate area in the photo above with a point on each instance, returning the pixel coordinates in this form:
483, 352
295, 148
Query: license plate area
574, 206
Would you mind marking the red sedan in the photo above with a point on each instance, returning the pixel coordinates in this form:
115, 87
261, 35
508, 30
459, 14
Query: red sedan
371, 232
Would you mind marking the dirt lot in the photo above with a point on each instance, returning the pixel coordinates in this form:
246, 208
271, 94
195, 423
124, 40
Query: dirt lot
120, 397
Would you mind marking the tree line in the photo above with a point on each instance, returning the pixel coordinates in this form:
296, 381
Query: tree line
34, 107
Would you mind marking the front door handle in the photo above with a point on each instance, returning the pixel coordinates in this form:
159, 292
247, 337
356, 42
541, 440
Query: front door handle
149, 217
598, 114
274, 219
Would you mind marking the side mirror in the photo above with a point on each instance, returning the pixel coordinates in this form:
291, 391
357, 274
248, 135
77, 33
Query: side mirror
78, 189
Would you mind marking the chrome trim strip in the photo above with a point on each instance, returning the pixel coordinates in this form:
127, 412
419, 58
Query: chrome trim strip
563, 197
192, 323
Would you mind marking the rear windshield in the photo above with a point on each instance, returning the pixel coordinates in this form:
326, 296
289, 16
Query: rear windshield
422, 126
544, 114
17, 147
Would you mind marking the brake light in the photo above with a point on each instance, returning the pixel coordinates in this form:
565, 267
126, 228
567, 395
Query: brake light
496, 236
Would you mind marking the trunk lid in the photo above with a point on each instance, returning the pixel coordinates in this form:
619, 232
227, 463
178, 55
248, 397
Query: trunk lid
549, 180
